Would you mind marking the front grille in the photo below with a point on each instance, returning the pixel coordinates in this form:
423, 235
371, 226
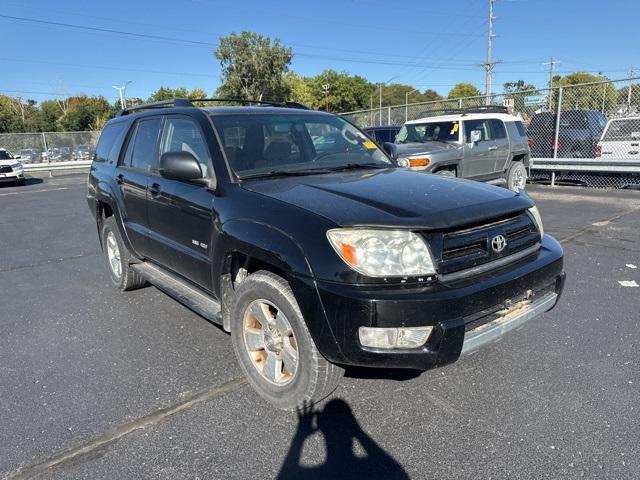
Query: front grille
470, 246
5, 169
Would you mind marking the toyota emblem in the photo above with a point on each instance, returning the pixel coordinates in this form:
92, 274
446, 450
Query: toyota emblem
498, 243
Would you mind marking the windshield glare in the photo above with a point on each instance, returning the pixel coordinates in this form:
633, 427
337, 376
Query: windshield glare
429, 132
256, 144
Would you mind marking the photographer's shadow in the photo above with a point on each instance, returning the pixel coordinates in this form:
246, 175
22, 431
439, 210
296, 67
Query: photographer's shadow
340, 429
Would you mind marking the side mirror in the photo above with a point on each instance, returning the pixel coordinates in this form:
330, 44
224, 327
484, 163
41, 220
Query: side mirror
17, 157
391, 149
181, 166
476, 136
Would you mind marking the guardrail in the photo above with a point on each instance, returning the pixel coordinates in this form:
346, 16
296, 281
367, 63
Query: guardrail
57, 166
619, 167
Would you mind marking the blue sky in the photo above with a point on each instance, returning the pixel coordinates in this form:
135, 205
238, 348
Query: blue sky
427, 44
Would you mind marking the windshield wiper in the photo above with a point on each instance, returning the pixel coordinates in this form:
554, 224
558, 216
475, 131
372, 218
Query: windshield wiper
284, 173
352, 166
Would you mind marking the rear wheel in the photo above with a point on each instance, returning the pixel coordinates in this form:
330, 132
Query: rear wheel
118, 258
516, 176
274, 347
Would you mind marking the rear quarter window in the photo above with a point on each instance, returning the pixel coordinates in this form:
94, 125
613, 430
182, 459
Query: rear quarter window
521, 129
110, 141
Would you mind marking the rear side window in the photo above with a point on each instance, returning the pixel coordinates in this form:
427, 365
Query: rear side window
626, 129
110, 142
521, 130
144, 147
498, 129
482, 125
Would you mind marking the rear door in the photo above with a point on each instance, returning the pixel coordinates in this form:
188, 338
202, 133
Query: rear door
502, 151
479, 158
180, 213
132, 177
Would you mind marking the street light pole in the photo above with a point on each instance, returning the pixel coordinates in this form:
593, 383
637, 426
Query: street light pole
122, 90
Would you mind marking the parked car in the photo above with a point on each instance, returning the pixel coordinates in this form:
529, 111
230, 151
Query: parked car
383, 133
578, 134
53, 155
11, 169
83, 152
313, 260
620, 139
29, 155
66, 153
490, 147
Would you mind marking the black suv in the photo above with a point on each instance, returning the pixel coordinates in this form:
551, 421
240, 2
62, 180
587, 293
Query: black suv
578, 133
313, 258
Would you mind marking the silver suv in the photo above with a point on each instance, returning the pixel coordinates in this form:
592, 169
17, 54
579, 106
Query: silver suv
489, 147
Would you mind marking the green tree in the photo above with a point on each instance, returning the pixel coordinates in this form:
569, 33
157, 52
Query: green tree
518, 86
85, 113
596, 96
301, 90
50, 112
168, 93
396, 94
463, 90
345, 93
253, 67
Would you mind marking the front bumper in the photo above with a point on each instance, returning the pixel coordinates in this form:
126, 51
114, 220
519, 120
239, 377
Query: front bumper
465, 314
12, 176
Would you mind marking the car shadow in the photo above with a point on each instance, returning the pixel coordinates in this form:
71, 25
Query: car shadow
341, 431
33, 180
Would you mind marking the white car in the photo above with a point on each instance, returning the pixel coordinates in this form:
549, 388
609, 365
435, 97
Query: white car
620, 139
11, 169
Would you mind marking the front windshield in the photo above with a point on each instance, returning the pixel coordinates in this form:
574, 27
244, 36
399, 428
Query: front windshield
264, 144
4, 155
429, 132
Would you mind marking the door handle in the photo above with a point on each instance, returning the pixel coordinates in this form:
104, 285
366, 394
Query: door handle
119, 179
154, 190
492, 147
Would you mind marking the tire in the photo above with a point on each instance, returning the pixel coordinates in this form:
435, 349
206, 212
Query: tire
289, 384
119, 258
446, 173
516, 176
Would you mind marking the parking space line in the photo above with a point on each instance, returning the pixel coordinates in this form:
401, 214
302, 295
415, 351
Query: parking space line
33, 191
106, 439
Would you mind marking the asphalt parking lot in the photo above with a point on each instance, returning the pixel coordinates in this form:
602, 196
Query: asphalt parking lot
95, 383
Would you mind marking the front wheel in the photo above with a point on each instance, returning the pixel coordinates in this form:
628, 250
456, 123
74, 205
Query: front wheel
274, 347
516, 176
446, 173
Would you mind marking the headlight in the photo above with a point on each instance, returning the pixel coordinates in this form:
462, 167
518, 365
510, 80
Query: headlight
382, 253
16, 166
414, 161
537, 219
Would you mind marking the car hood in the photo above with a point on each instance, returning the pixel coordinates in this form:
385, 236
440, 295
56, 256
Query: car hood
393, 198
406, 149
10, 161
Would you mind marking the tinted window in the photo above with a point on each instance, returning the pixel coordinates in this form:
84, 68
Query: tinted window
109, 144
521, 130
183, 135
144, 146
483, 125
4, 155
498, 129
542, 122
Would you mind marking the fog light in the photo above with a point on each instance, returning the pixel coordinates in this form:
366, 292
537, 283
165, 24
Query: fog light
403, 337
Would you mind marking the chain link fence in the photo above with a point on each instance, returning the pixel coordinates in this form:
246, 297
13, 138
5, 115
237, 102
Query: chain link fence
595, 120
50, 147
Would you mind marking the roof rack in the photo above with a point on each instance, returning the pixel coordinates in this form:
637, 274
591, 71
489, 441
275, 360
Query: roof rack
183, 102
463, 111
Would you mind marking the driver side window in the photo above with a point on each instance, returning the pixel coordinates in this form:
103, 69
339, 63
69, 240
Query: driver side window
183, 135
482, 125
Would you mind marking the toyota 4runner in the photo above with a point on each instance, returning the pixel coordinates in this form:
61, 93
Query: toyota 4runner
299, 236
484, 144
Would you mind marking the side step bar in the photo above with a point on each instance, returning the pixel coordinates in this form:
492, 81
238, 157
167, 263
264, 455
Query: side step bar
185, 293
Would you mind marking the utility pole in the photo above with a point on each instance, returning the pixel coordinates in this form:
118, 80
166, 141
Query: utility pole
552, 63
380, 119
122, 90
490, 62
325, 89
